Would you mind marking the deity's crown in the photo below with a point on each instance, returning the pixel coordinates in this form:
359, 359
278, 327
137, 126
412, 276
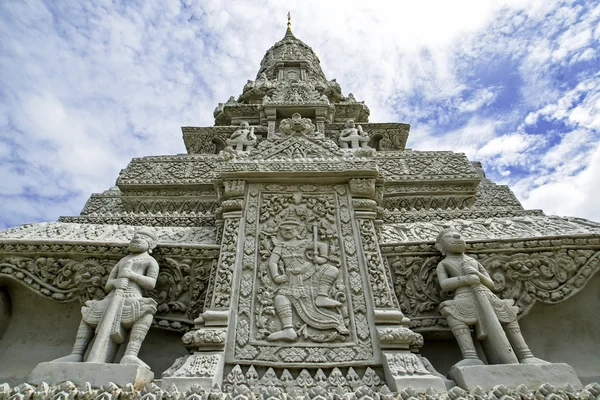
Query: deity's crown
149, 236
290, 221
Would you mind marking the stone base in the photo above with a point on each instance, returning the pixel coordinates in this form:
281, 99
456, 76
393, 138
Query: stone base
513, 375
403, 369
97, 374
204, 369
182, 384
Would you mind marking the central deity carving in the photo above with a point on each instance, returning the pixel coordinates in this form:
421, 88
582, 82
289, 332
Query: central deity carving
303, 275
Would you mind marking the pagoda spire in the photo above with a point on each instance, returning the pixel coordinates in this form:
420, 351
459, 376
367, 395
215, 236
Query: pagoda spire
288, 32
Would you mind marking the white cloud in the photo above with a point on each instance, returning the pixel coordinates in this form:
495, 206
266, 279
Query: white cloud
88, 85
480, 98
576, 195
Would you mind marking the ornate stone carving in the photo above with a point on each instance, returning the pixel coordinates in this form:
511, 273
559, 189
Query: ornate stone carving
332, 381
106, 233
310, 389
409, 216
399, 336
360, 187
297, 284
161, 170
380, 285
427, 202
221, 294
205, 337
243, 139
234, 189
474, 303
492, 228
211, 140
197, 365
296, 126
425, 166
123, 309
491, 195
353, 138
107, 202
167, 219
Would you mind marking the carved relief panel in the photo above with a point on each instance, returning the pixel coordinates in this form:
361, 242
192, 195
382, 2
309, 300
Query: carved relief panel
302, 298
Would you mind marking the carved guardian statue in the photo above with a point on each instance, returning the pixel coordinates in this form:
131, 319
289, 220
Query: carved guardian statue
495, 320
123, 309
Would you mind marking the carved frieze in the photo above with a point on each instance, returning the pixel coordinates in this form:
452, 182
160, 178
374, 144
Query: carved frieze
175, 219
157, 206
415, 216
428, 202
103, 203
301, 299
314, 384
412, 165
527, 226
105, 233
306, 386
491, 195
166, 170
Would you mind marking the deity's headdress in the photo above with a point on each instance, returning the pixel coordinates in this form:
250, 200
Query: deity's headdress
148, 237
438, 240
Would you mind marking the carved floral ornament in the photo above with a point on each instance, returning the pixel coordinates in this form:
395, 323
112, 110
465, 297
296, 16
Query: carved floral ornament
248, 386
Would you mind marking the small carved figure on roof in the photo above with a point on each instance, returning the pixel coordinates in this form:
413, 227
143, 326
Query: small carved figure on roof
243, 139
474, 303
352, 137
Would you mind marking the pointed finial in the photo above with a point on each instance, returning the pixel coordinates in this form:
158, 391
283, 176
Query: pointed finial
289, 28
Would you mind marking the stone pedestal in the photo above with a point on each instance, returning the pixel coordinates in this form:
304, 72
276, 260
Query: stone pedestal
404, 369
513, 375
97, 374
200, 369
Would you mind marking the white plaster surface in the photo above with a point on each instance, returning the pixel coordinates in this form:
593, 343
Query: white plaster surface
568, 332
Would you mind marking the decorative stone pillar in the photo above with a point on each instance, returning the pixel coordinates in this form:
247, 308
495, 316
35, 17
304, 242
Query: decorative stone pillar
401, 365
271, 114
320, 119
204, 366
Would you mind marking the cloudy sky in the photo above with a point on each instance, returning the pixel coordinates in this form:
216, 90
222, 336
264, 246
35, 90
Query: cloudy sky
87, 85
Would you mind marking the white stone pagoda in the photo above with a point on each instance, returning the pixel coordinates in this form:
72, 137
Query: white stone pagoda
299, 251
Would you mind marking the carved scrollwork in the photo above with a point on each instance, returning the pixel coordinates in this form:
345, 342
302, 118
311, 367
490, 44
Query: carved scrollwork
380, 285
392, 336
205, 337
61, 279
550, 277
